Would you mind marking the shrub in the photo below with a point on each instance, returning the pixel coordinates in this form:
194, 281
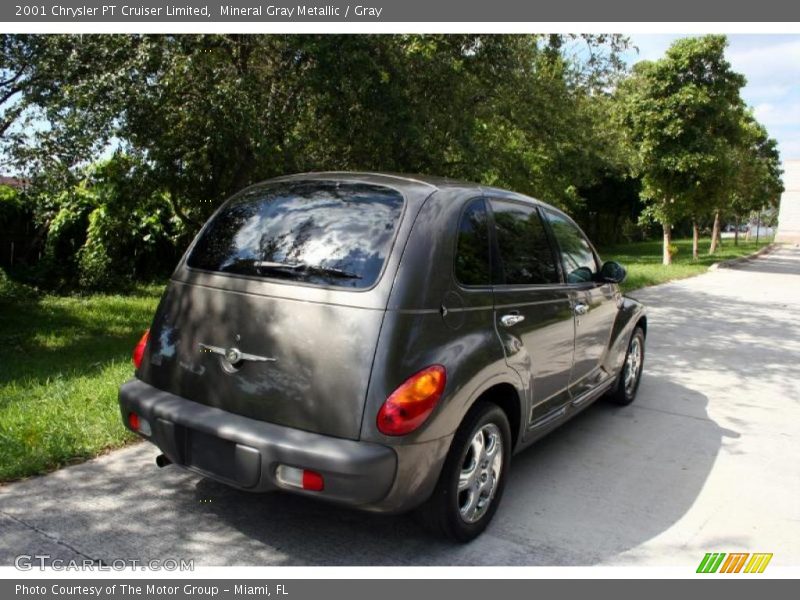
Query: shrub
11, 290
107, 231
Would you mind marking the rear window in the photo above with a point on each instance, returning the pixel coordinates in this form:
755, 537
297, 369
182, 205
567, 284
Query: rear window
324, 233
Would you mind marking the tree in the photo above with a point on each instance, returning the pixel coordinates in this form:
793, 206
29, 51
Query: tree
681, 113
108, 230
757, 182
198, 117
208, 114
16, 65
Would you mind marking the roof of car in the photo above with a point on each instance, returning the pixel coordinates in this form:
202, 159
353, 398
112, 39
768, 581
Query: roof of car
408, 180
430, 180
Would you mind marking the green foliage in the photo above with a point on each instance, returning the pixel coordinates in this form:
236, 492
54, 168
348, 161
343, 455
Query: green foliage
14, 291
108, 230
630, 230
64, 218
96, 269
682, 114
206, 115
10, 204
642, 260
697, 150
194, 118
62, 360
757, 180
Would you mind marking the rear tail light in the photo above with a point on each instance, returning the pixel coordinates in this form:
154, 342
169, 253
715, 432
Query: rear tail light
300, 478
139, 424
410, 404
138, 351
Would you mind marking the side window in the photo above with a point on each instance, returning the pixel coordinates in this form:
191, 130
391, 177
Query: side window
580, 263
525, 249
472, 250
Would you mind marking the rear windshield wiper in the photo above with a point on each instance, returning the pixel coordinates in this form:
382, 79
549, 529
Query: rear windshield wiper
305, 268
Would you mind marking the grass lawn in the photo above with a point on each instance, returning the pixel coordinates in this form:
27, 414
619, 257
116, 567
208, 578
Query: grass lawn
62, 360
643, 259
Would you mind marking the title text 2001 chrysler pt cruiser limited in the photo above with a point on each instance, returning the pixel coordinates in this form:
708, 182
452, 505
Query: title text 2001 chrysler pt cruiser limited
381, 341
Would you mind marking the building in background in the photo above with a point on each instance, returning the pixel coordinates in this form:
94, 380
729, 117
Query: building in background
789, 214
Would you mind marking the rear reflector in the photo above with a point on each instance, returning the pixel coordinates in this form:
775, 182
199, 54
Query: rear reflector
312, 481
133, 421
300, 478
139, 424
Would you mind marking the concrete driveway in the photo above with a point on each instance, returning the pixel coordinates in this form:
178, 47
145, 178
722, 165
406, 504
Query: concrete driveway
707, 459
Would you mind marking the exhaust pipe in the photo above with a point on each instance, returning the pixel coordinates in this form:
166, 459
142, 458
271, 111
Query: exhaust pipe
162, 461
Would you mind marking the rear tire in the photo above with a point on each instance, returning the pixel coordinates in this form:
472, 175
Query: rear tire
473, 476
630, 375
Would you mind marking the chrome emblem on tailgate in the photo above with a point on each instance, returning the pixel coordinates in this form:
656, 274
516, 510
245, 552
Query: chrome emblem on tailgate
234, 355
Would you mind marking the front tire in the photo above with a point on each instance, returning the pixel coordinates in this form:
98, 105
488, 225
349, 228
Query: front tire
473, 476
624, 392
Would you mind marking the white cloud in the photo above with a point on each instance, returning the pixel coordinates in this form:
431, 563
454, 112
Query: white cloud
781, 114
768, 62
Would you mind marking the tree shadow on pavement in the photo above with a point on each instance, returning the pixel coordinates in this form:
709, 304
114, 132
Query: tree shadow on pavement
603, 483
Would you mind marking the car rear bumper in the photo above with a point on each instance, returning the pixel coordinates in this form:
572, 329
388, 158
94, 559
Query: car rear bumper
245, 453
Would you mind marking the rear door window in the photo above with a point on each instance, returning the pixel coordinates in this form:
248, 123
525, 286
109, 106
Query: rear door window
472, 253
324, 233
525, 249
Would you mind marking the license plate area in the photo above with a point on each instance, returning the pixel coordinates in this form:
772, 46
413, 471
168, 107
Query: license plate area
223, 459
210, 453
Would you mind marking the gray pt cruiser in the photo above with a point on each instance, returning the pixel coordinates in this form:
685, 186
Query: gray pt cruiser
381, 341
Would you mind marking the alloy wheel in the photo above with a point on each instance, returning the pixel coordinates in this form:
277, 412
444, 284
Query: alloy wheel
480, 473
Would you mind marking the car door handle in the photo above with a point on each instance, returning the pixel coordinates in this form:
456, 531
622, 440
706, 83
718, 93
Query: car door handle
511, 319
581, 308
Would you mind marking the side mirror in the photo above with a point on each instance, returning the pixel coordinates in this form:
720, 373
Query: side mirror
612, 272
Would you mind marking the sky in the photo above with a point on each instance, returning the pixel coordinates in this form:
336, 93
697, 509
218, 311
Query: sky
771, 64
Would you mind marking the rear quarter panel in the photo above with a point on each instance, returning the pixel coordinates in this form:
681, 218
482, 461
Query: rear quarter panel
416, 333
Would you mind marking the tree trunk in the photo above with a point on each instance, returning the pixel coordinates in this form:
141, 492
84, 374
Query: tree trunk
695, 237
714, 234
758, 226
736, 232
667, 260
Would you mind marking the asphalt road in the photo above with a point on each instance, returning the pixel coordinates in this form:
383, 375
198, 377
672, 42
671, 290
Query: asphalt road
707, 459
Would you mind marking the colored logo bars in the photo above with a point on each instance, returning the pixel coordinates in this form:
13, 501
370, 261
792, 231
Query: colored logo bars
734, 562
